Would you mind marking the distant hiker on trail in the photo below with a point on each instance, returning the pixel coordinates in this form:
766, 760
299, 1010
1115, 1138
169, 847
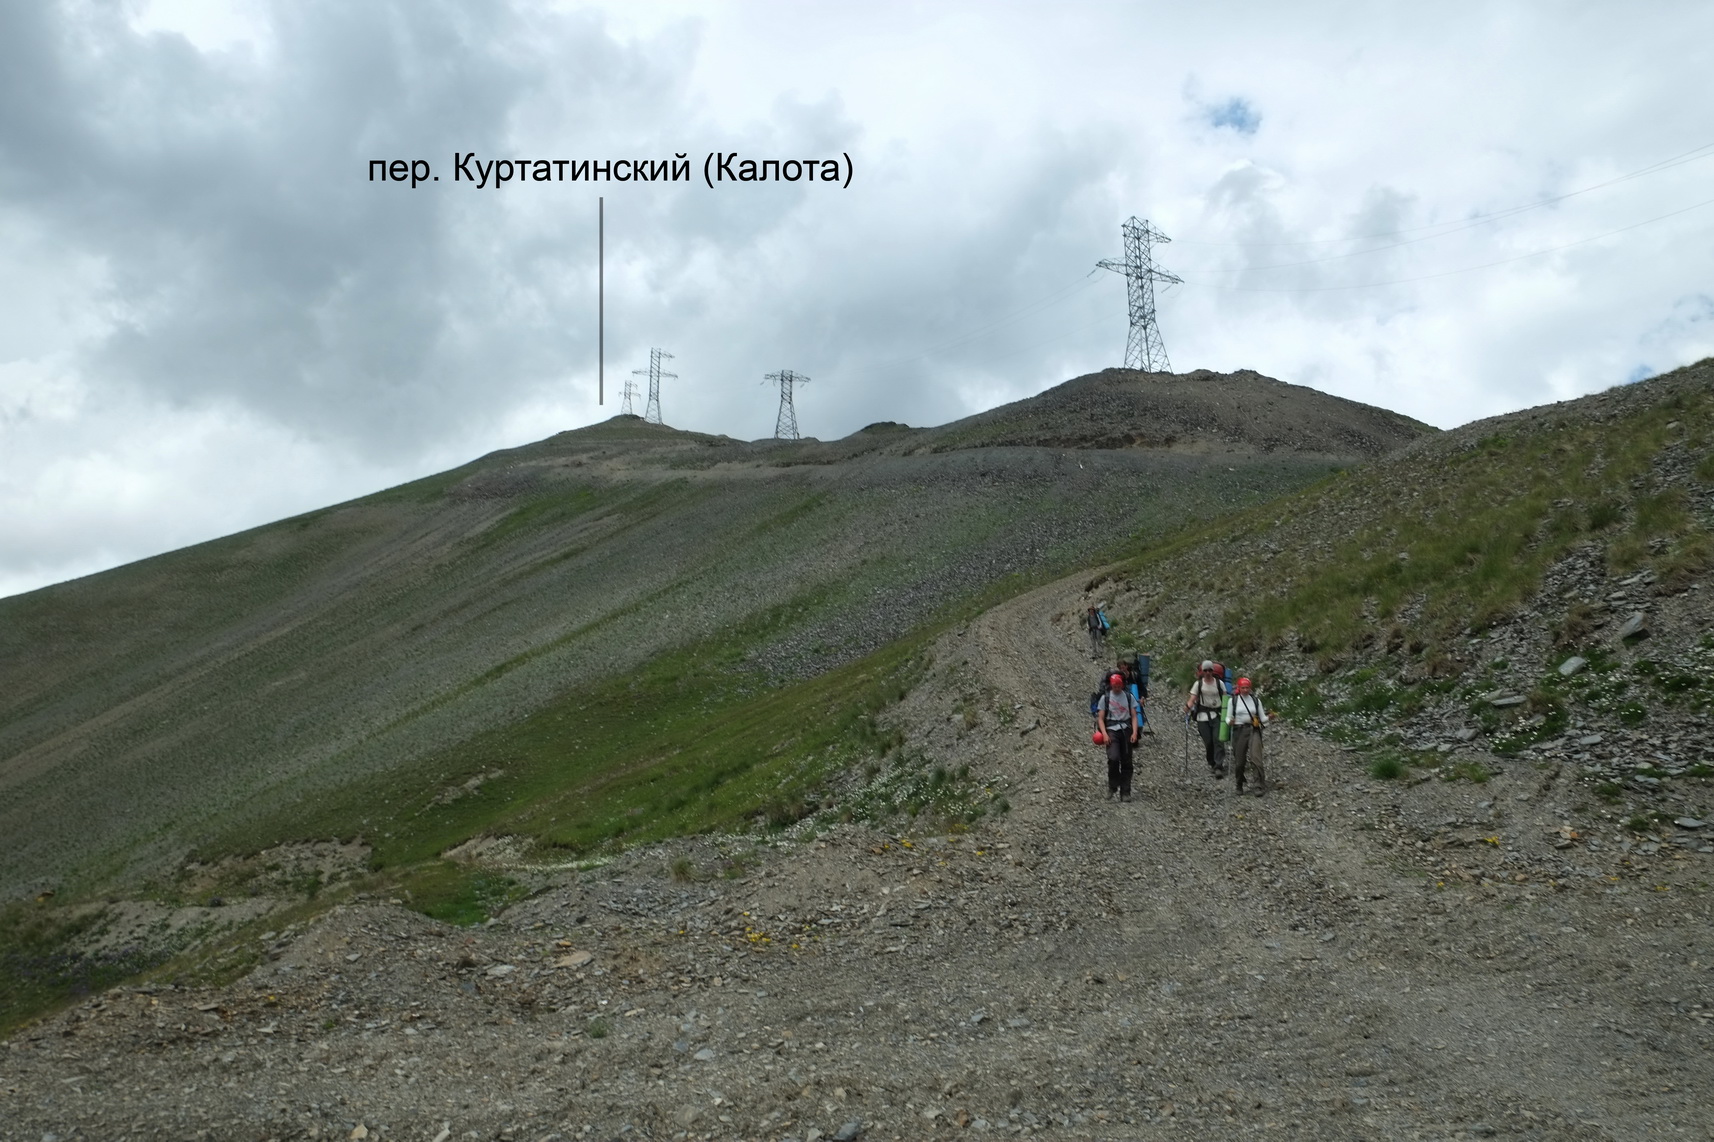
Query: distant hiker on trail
1247, 720
1138, 684
1117, 716
1096, 621
1203, 706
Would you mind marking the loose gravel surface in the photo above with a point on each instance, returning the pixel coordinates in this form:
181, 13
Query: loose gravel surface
1343, 958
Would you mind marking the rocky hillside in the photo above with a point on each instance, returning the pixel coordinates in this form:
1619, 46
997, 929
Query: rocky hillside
1532, 586
189, 697
1241, 412
1342, 959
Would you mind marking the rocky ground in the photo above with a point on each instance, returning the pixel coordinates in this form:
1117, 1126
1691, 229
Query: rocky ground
1344, 958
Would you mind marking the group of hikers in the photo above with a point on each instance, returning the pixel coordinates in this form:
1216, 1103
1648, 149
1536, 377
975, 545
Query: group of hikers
1223, 709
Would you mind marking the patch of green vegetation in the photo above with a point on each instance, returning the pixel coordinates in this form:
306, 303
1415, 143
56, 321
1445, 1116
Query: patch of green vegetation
456, 893
927, 792
1472, 771
42, 967
692, 742
1463, 550
1388, 767
1609, 791
1297, 701
545, 510
684, 745
598, 1029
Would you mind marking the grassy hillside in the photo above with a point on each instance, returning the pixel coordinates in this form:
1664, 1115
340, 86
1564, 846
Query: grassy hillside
1435, 593
385, 651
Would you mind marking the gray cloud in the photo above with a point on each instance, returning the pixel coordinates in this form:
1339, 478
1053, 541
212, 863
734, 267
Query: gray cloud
210, 317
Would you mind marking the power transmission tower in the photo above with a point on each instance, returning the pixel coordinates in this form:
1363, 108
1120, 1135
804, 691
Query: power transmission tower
652, 411
631, 395
1143, 348
785, 425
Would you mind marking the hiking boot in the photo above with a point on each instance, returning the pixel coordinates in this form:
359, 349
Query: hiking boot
1110, 793
1124, 796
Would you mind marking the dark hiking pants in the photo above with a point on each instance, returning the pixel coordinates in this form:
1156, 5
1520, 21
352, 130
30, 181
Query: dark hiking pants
1119, 759
1210, 731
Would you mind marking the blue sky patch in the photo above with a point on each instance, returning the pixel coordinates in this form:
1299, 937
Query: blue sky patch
1237, 114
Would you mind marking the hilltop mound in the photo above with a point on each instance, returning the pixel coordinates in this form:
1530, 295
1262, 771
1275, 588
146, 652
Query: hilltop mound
1124, 408
1242, 413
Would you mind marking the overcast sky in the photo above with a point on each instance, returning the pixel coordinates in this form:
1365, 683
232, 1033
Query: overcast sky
210, 317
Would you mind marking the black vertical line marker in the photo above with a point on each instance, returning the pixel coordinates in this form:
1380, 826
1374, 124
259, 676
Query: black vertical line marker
601, 300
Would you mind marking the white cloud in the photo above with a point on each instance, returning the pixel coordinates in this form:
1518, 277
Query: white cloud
203, 291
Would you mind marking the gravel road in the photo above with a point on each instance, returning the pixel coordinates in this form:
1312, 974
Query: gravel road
1341, 959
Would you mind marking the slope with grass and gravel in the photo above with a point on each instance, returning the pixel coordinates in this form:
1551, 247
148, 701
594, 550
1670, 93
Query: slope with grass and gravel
1062, 966
484, 650
1533, 585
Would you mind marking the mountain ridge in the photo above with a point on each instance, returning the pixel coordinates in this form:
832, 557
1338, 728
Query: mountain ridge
152, 702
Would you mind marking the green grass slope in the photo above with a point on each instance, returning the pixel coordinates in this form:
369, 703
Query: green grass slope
350, 670
1386, 602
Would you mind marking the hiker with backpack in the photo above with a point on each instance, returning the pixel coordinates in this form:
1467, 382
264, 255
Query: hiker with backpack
1247, 719
1096, 621
1205, 707
1136, 672
1117, 718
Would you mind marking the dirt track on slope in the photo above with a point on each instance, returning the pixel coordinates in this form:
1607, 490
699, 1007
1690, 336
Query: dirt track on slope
1187, 965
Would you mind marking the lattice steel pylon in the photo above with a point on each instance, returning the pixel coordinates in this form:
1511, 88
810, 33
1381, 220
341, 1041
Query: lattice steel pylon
651, 411
1143, 347
631, 395
785, 424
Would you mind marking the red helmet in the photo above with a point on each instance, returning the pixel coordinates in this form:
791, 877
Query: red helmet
1115, 679
1242, 686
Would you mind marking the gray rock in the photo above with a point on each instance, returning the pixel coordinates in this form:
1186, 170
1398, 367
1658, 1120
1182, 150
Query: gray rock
1689, 823
1572, 665
1635, 625
1508, 700
1587, 739
850, 1131
705, 1055
1468, 733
